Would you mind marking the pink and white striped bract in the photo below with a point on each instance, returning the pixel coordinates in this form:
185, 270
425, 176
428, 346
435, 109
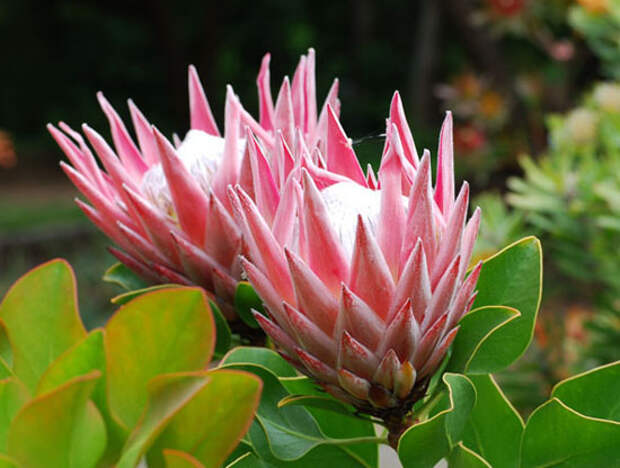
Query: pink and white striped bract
166, 206
366, 295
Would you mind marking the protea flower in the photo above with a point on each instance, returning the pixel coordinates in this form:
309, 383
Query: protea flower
366, 295
166, 207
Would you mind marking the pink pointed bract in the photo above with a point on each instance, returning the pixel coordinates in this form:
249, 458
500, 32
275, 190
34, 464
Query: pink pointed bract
166, 207
366, 289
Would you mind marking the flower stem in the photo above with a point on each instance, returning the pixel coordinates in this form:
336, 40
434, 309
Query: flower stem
397, 426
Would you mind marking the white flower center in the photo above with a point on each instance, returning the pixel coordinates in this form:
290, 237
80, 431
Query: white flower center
344, 202
201, 155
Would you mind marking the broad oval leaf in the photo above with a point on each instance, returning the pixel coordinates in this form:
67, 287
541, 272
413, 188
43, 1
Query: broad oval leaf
61, 428
167, 395
83, 357
178, 459
5, 370
165, 331
290, 433
222, 330
511, 278
594, 393
46, 296
211, 424
338, 427
324, 455
425, 443
321, 455
329, 413
470, 349
13, 395
7, 462
462, 457
494, 428
556, 435
6, 353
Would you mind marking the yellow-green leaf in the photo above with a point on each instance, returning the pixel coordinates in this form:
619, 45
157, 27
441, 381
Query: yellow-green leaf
13, 395
41, 319
60, 429
211, 424
164, 331
167, 395
177, 459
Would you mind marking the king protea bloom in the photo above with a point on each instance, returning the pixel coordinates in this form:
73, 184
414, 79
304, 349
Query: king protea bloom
165, 206
366, 292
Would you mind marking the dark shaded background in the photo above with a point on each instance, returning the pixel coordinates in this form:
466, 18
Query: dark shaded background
57, 54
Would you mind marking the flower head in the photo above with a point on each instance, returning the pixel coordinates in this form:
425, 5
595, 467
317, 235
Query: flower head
165, 206
365, 291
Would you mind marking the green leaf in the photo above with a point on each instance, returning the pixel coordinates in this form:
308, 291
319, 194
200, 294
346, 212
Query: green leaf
264, 357
329, 413
511, 278
41, 319
302, 385
6, 352
318, 402
124, 277
222, 331
425, 443
83, 357
125, 297
462, 457
594, 393
494, 428
336, 426
556, 435
13, 395
291, 430
177, 459
470, 345
322, 455
167, 395
305, 392
325, 455
7, 462
5, 370
246, 299
165, 331
211, 424
304, 428
61, 428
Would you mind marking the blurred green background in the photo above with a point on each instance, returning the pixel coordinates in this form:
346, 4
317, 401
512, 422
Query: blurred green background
522, 77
